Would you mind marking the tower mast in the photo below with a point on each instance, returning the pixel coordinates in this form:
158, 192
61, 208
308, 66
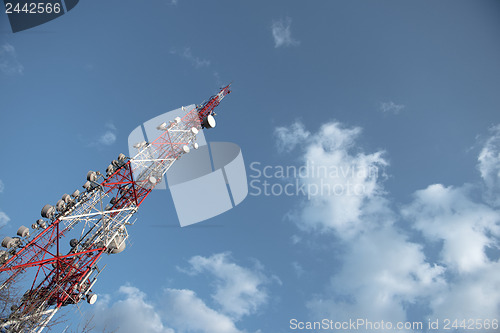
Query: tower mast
98, 216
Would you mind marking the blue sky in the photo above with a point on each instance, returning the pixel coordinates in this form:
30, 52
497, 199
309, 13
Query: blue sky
407, 88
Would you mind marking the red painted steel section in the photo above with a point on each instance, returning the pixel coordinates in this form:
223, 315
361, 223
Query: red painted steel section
208, 108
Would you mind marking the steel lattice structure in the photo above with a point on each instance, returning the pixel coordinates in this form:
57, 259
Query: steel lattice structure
100, 216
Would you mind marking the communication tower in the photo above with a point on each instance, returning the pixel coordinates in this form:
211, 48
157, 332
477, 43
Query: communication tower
98, 216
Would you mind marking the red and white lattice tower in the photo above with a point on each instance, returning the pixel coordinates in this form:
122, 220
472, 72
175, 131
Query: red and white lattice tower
99, 216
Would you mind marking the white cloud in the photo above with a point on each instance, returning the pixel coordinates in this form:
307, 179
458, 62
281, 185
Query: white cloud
239, 291
295, 239
489, 165
466, 227
217, 78
178, 310
472, 295
344, 183
4, 219
8, 60
129, 315
287, 138
383, 274
188, 55
298, 269
109, 137
381, 271
188, 313
391, 107
282, 33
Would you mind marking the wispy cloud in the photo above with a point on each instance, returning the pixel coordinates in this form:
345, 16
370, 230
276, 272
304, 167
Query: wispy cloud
489, 165
298, 269
4, 219
289, 137
8, 60
239, 291
100, 138
218, 80
188, 55
282, 33
391, 107
109, 137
